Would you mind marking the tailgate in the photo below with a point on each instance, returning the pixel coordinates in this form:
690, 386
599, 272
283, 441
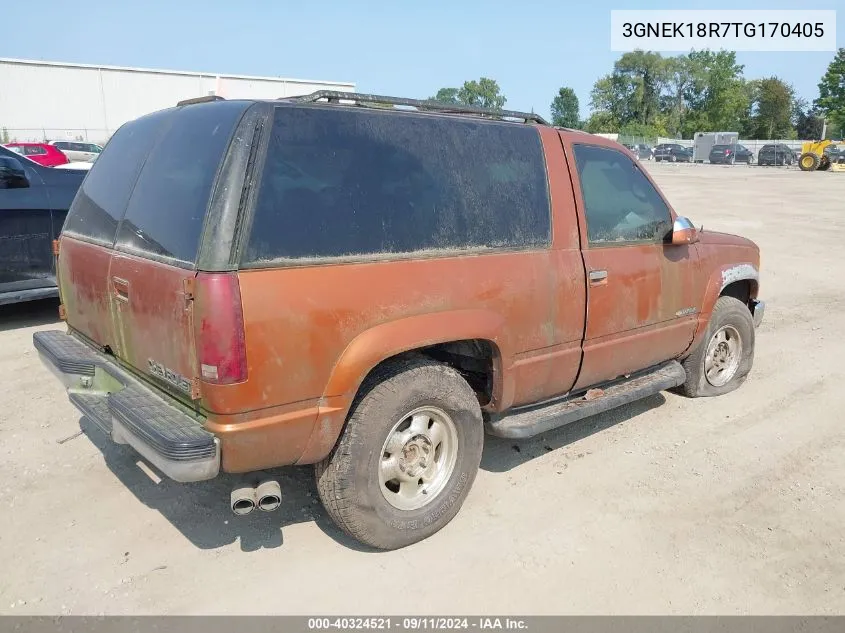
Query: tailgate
128, 254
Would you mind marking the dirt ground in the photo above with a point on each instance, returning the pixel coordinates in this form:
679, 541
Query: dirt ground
731, 505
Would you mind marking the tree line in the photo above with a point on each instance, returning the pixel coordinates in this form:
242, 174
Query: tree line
649, 95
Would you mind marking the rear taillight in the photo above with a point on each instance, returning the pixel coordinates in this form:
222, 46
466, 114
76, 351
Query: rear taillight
219, 319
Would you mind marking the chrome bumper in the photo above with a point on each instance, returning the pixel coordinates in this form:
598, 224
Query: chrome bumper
128, 411
758, 309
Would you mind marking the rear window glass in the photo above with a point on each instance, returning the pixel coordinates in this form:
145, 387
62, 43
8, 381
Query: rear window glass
167, 209
340, 182
101, 202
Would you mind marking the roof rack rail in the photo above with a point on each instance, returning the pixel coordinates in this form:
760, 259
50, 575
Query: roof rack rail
205, 99
364, 100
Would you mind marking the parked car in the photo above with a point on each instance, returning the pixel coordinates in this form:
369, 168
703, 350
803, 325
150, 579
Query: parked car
33, 204
253, 284
776, 154
673, 152
730, 154
83, 166
78, 151
641, 151
41, 153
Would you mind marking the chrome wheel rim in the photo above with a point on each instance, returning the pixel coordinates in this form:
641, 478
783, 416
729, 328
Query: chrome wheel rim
724, 352
418, 458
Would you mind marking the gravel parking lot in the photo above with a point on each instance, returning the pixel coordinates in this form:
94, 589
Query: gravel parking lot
727, 505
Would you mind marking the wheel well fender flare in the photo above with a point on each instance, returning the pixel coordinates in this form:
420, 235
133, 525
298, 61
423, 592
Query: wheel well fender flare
386, 340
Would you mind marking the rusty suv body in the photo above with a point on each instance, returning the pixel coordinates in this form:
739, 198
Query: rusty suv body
240, 278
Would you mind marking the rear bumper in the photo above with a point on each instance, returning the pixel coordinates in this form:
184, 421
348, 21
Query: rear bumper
758, 309
128, 411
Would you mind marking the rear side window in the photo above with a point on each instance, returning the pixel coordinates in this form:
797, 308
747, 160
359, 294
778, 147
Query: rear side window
166, 211
33, 150
101, 202
340, 182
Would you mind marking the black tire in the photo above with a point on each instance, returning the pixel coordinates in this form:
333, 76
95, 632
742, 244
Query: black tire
348, 479
808, 162
824, 164
732, 313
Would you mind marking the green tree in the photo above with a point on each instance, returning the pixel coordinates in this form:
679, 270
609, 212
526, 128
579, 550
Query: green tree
679, 79
643, 73
484, 93
808, 122
718, 97
446, 95
831, 101
601, 123
772, 108
609, 102
565, 109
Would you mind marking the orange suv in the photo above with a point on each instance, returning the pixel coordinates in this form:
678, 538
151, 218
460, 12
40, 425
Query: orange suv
367, 284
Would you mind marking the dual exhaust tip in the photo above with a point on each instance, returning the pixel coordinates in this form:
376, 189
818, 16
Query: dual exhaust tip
266, 496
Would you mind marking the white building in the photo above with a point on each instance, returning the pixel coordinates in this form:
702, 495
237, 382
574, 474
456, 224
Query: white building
54, 100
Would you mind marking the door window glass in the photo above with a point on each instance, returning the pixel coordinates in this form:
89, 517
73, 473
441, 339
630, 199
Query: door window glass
620, 203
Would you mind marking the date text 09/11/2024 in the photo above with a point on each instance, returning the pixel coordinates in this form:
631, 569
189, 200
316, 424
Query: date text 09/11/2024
723, 29
416, 623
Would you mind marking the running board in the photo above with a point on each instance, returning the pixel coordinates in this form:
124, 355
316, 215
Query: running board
528, 422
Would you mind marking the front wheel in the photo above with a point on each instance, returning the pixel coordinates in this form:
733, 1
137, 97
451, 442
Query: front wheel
724, 356
407, 457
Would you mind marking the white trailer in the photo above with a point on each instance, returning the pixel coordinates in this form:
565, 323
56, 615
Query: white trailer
703, 142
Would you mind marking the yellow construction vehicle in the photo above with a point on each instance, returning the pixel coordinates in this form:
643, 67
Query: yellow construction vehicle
820, 155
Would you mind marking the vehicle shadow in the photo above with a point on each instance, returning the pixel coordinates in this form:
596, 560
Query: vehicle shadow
29, 314
200, 511
501, 455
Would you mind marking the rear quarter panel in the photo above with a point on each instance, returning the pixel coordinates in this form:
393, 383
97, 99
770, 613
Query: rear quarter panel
314, 332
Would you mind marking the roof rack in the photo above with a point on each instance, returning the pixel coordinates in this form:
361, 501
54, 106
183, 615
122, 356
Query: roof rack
368, 100
205, 99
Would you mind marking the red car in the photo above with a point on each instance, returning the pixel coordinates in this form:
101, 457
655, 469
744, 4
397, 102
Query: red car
41, 153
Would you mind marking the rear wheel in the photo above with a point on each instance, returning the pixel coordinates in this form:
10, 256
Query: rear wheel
407, 457
724, 356
808, 162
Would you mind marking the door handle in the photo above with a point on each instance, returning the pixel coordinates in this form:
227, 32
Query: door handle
121, 288
598, 275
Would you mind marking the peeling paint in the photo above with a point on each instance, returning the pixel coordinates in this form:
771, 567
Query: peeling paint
738, 273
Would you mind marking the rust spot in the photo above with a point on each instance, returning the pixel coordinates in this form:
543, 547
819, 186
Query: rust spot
593, 394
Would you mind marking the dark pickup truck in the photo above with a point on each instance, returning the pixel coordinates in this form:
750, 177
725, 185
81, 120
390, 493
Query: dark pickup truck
34, 201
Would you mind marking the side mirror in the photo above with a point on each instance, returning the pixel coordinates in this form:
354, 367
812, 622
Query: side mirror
12, 174
684, 231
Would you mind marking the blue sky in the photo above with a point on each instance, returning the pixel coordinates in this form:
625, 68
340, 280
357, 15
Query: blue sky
401, 48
